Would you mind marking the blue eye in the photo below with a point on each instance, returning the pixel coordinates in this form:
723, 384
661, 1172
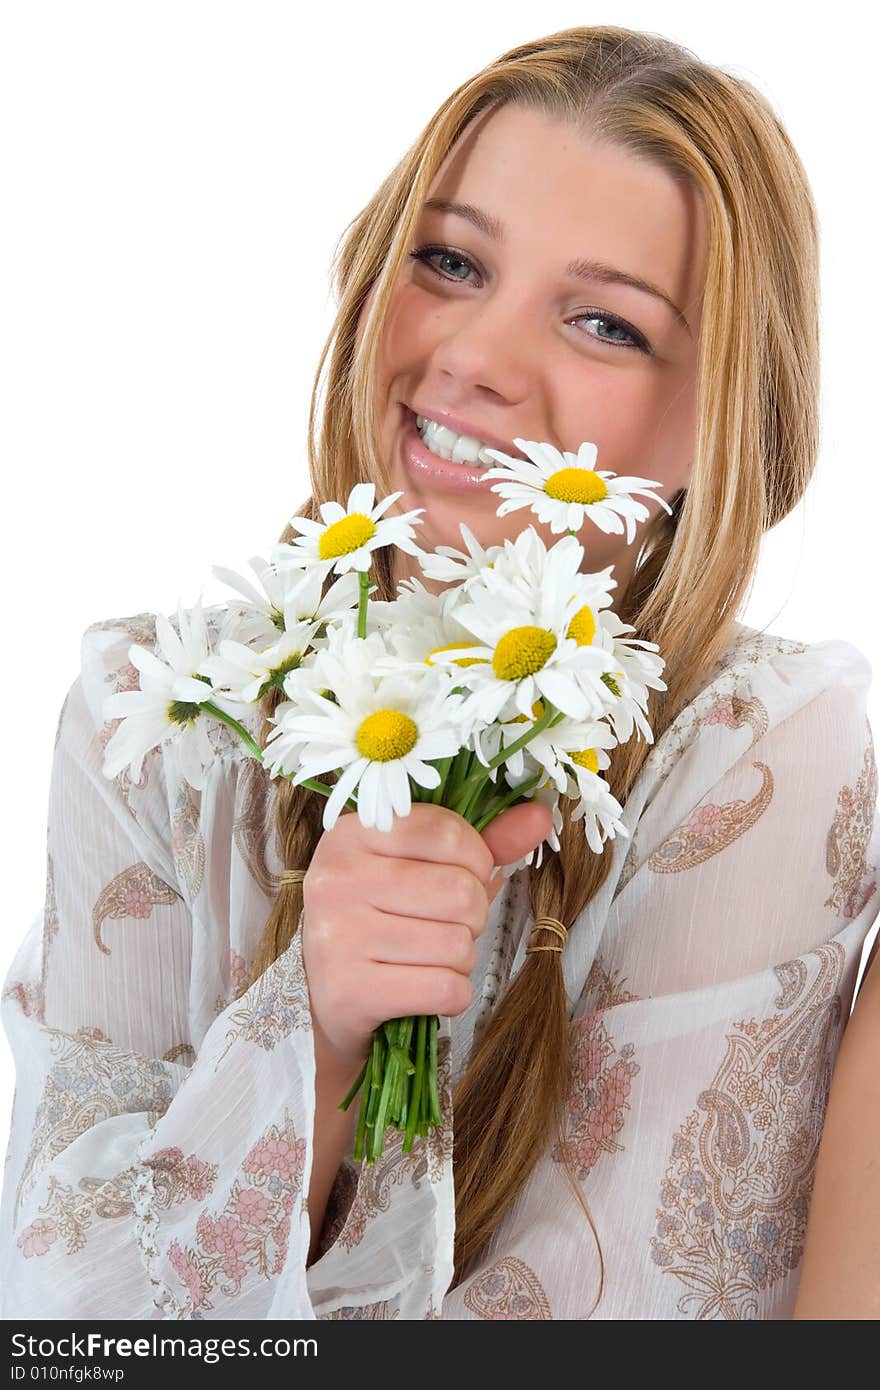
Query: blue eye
637, 343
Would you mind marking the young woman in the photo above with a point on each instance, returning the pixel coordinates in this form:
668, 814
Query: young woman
596, 238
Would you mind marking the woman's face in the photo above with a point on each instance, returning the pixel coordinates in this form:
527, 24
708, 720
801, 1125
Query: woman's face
500, 333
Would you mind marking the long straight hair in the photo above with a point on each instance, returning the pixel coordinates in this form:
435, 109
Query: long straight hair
756, 445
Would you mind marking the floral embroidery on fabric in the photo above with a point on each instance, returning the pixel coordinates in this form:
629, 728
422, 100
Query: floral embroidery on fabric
139, 628
251, 1232
848, 839
175, 1179
275, 1005
72, 1212
91, 1081
733, 712
368, 1312
509, 1289
255, 823
736, 1191
728, 681
184, 1051
132, 893
30, 995
604, 988
187, 842
428, 1156
598, 1096
238, 976
710, 828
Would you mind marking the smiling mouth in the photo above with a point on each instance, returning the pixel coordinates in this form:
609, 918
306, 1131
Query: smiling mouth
453, 447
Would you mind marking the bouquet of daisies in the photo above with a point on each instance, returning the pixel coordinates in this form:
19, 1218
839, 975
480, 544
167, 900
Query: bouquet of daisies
511, 684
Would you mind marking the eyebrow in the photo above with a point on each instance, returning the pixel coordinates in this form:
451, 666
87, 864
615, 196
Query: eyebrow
598, 272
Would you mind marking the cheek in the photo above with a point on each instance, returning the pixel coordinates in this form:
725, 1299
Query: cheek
642, 419
413, 327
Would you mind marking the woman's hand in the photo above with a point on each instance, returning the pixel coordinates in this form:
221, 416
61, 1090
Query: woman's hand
391, 918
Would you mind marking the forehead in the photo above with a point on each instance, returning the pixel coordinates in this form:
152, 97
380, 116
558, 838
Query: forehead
558, 190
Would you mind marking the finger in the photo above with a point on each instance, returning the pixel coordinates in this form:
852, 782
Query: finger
517, 830
416, 888
433, 833
402, 991
399, 940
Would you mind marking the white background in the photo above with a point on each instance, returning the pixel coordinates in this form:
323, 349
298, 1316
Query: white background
174, 179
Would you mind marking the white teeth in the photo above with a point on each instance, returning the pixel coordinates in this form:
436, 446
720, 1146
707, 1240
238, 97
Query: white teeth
455, 448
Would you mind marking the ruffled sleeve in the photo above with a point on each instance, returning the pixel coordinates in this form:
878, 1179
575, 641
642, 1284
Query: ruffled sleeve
160, 1152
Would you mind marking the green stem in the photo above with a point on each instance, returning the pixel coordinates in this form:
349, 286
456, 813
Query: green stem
478, 777
416, 1101
503, 802
257, 751
364, 582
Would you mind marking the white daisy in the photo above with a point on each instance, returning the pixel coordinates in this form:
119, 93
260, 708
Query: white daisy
382, 732
564, 488
527, 653
596, 806
633, 673
345, 538
419, 624
452, 566
245, 673
166, 707
552, 749
288, 597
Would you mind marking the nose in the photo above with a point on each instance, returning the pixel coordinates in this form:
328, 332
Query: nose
488, 346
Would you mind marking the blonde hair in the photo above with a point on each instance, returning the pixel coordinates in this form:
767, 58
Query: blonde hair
755, 449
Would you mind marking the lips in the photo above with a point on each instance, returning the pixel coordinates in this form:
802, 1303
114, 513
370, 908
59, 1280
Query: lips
429, 472
461, 426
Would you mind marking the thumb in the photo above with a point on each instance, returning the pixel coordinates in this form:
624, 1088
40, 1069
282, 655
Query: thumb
512, 834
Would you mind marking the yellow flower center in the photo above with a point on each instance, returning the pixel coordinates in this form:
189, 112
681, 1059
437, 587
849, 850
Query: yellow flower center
575, 485
346, 535
608, 679
451, 647
583, 626
521, 652
385, 735
586, 758
537, 712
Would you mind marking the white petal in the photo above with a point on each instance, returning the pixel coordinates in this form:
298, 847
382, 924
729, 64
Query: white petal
361, 498
340, 793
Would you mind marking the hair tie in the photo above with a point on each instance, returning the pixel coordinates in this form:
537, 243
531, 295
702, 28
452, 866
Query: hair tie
293, 875
548, 924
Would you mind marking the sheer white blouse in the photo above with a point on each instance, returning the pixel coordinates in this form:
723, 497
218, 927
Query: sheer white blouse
161, 1136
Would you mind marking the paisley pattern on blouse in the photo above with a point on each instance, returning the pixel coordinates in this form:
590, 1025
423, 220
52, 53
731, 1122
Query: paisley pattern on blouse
91, 1080
848, 840
710, 828
133, 893
508, 1289
736, 1191
275, 1005
730, 681
187, 842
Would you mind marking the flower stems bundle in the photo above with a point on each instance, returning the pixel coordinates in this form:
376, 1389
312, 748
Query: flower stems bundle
510, 685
